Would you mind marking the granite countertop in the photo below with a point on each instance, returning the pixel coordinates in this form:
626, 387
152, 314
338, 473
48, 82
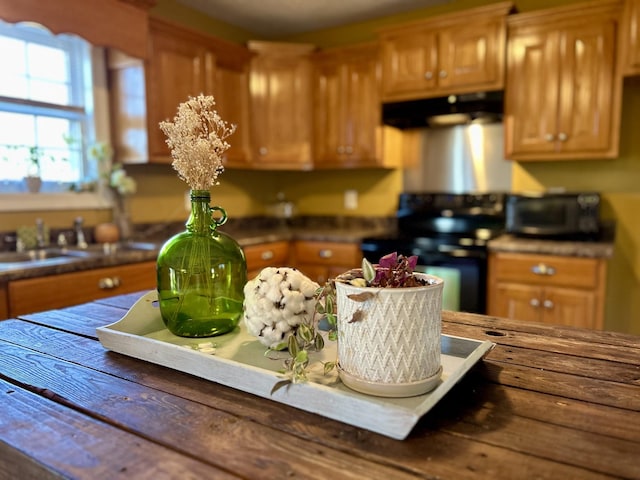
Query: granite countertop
510, 243
149, 240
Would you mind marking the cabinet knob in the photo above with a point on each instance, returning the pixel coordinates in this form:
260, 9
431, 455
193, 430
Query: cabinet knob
562, 137
549, 137
109, 283
340, 150
534, 302
543, 269
325, 253
442, 74
428, 75
266, 255
547, 304
263, 150
348, 149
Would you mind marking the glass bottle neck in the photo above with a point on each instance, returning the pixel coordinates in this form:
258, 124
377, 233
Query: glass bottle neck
200, 221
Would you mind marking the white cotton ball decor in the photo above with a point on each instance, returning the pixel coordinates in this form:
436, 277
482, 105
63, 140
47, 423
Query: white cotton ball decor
276, 302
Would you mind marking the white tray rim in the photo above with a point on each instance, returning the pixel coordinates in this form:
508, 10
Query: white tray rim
392, 417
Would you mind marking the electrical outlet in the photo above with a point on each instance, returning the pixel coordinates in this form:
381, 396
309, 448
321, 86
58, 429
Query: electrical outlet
350, 199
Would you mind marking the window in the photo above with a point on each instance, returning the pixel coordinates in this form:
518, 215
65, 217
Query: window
46, 108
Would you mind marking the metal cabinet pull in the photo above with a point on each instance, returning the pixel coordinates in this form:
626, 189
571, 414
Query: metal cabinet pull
340, 150
562, 137
348, 149
109, 283
549, 137
534, 302
325, 253
543, 269
428, 75
443, 74
266, 255
263, 150
547, 304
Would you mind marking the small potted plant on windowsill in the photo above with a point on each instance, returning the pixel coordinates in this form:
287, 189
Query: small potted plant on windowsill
386, 319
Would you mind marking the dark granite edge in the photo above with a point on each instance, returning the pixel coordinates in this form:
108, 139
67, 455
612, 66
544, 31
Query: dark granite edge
509, 243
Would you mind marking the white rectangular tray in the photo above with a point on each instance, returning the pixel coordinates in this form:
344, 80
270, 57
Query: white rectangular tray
239, 362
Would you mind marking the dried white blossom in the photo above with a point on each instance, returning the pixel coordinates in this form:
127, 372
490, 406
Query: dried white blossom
196, 138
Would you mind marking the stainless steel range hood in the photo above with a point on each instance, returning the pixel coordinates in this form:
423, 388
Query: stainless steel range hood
464, 109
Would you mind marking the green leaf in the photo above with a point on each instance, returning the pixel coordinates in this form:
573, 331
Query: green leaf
305, 332
368, 272
329, 366
319, 342
280, 384
302, 357
333, 335
293, 346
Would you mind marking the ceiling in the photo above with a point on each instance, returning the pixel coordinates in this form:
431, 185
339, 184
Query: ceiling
278, 18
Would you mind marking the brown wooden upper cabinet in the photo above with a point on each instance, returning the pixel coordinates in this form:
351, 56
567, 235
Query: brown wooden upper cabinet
347, 126
562, 90
181, 63
448, 54
630, 38
281, 105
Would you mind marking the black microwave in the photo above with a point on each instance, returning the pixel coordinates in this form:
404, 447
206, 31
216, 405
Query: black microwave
550, 215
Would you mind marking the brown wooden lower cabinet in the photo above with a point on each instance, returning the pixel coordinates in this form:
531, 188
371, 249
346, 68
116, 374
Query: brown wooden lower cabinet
321, 261
271, 254
547, 288
66, 289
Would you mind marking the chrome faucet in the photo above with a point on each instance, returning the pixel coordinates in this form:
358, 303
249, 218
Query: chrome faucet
40, 243
80, 240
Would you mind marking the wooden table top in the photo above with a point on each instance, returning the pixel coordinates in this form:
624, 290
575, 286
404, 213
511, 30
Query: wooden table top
547, 402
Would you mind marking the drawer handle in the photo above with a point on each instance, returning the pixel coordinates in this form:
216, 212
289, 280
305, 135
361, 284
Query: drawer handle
543, 269
325, 253
109, 283
548, 304
534, 302
266, 255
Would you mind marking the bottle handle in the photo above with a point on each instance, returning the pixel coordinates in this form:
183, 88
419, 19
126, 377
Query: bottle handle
222, 219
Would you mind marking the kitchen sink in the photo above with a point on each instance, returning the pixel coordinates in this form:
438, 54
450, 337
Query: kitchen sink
115, 248
39, 255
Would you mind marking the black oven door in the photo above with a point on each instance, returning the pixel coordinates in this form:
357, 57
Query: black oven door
464, 274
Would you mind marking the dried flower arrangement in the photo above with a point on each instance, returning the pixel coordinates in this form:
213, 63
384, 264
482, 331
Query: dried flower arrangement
197, 139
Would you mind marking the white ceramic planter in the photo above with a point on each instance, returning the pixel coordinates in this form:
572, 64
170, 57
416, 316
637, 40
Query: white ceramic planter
394, 349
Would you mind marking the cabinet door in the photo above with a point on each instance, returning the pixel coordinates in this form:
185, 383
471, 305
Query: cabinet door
362, 119
587, 88
231, 92
329, 112
563, 91
347, 109
178, 68
531, 105
518, 302
409, 64
281, 109
565, 306
631, 38
63, 290
471, 58
272, 254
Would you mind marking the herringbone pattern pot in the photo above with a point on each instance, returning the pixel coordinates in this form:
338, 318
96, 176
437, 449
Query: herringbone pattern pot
395, 342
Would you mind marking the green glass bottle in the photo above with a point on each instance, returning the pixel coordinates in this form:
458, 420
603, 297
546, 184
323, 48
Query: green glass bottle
201, 275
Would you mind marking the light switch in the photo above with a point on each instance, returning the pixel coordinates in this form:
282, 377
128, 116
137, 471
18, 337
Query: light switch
350, 199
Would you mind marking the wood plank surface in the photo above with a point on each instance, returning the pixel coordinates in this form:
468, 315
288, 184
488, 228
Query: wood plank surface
325, 431
545, 403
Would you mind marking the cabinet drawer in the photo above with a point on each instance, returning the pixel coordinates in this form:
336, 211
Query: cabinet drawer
63, 290
328, 253
546, 270
274, 254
